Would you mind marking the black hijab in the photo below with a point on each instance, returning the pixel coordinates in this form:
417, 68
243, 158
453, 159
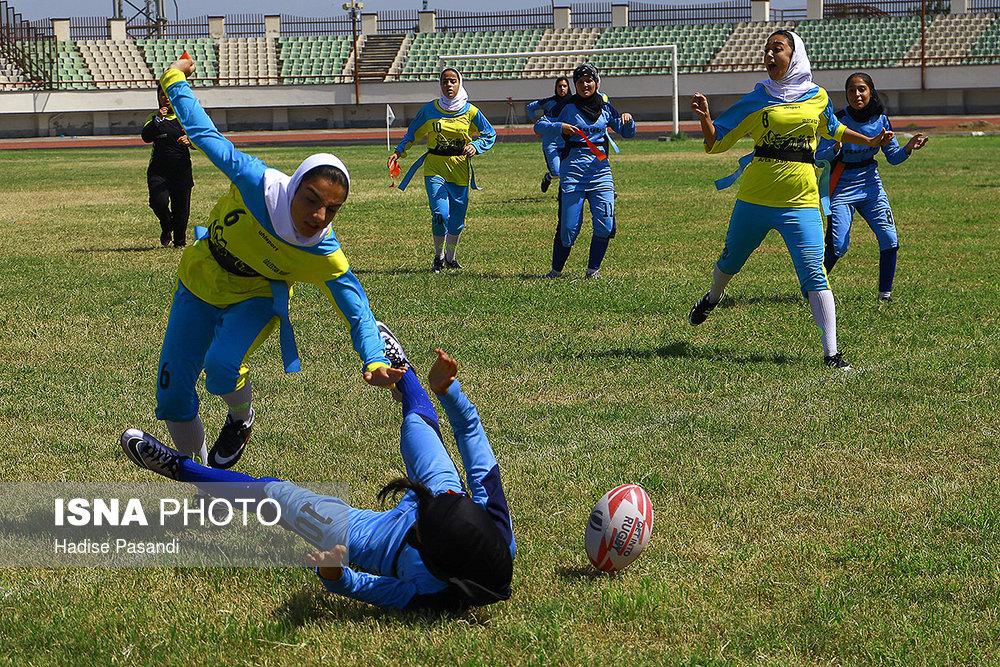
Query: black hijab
556, 97
873, 108
592, 106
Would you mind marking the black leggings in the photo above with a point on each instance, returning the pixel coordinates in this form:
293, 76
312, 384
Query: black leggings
171, 202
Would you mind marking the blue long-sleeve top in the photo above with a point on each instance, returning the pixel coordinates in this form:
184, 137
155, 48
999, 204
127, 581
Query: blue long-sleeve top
447, 134
240, 228
580, 168
858, 178
399, 578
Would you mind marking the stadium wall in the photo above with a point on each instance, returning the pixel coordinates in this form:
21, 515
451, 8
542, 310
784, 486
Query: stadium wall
966, 89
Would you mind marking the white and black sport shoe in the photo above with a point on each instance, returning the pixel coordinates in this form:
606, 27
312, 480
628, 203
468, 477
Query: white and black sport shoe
452, 264
393, 348
231, 443
546, 181
147, 452
836, 361
437, 264
701, 310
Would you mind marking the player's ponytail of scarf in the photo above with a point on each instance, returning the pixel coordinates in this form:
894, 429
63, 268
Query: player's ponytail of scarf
873, 108
280, 189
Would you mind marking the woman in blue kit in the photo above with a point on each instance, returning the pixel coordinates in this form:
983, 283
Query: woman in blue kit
551, 147
582, 122
234, 283
855, 184
444, 546
449, 123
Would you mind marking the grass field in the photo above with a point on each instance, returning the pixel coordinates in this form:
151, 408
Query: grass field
802, 515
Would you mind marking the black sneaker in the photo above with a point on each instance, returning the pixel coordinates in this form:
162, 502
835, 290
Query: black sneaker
232, 440
393, 348
592, 274
452, 264
165, 239
437, 264
546, 181
553, 274
837, 361
884, 298
701, 310
147, 452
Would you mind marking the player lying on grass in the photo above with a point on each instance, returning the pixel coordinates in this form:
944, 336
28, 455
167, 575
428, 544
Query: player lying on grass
442, 547
268, 232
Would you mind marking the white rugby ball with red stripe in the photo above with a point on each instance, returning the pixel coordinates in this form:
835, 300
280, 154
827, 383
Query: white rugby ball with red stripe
619, 527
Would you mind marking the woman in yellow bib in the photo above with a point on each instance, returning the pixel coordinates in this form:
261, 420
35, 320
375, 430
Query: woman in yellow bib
784, 114
269, 231
449, 124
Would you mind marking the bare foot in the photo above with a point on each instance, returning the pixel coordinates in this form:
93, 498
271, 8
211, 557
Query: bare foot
442, 373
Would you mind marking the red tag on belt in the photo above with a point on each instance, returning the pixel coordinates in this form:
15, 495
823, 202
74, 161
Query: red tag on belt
601, 157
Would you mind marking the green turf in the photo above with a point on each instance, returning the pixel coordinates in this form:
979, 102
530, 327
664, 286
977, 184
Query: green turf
802, 515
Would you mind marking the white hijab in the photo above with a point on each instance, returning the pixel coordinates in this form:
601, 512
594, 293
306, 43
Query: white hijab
457, 103
279, 190
797, 80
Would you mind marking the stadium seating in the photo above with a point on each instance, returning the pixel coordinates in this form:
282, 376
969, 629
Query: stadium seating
71, 70
426, 48
742, 51
850, 43
696, 45
539, 67
248, 61
950, 38
10, 75
986, 49
115, 63
313, 58
161, 52
855, 44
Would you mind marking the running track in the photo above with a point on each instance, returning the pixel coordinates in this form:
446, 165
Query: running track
377, 136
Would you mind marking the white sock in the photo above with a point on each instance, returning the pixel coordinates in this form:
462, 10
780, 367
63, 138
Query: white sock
719, 282
240, 404
825, 315
439, 246
451, 244
189, 438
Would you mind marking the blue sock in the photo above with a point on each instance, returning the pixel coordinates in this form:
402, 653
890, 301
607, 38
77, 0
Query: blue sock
886, 269
227, 484
598, 247
415, 399
559, 254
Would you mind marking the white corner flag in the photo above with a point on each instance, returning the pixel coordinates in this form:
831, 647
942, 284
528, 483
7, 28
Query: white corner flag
389, 117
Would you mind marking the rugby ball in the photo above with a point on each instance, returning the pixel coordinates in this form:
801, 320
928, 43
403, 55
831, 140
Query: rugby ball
619, 528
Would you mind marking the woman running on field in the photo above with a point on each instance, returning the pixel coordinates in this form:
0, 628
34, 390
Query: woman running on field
268, 232
855, 184
443, 547
552, 146
449, 123
784, 114
582, 122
